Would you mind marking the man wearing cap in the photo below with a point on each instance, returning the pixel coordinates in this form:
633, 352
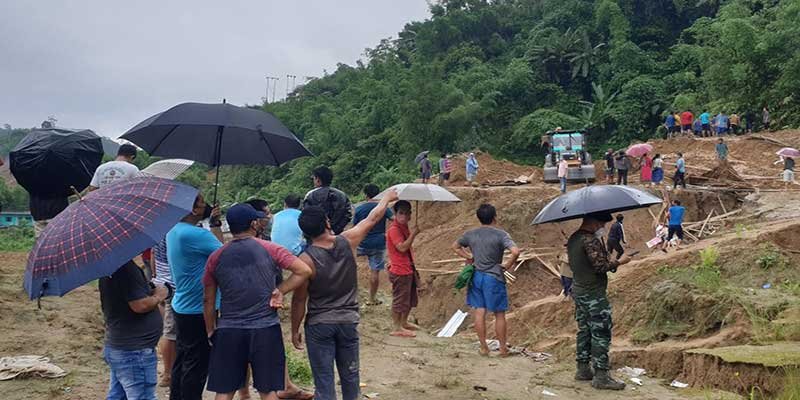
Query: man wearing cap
590, 264
248, 331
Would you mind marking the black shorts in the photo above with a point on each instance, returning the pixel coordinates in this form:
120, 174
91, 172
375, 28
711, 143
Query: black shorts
234, 349
675, 230
446, 176
687, 128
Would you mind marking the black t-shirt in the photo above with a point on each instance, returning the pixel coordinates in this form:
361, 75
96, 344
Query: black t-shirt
125, 329
44, 208
609, 161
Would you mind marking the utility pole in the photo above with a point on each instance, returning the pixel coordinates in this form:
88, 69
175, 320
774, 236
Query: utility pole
292, 77
271, 79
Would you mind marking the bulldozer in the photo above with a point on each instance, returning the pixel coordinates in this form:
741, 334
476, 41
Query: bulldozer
570, 146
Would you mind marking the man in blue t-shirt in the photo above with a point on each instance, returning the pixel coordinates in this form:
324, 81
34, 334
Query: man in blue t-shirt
675, 217
670, 124
374, 245
722, 123
188, 249
705, 119
285, 228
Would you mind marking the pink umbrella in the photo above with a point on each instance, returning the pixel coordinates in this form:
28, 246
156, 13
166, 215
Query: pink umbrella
789, 152
639, 150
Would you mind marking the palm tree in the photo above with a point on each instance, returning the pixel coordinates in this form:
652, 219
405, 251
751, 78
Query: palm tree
585, 57
597, 113
555, 54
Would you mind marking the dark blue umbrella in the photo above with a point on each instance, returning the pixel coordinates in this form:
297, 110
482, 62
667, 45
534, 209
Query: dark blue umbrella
217, 134
48, 162
99, 233
592, 199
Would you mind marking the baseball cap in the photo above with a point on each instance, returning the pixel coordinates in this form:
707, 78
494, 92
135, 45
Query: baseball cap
241, 215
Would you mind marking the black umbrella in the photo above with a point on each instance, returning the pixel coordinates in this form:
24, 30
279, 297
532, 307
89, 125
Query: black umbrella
592, 199
217, 134
48, 162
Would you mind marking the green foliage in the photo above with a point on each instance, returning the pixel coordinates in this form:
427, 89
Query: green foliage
771, 258
13, 197
299, 369
16, 238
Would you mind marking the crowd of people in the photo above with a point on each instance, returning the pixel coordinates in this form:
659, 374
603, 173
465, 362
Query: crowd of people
446, 168
706, 125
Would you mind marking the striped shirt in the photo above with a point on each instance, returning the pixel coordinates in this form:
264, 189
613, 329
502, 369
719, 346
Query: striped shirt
163, 274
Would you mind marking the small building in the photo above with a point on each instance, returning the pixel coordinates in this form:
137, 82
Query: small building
15, 218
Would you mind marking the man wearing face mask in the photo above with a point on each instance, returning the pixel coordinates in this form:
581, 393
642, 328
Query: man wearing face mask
590, 264
188, 249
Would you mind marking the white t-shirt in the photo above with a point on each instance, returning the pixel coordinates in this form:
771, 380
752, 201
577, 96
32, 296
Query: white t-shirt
113, 171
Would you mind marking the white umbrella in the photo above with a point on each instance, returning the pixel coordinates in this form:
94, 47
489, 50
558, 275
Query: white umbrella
167, 169
420, 192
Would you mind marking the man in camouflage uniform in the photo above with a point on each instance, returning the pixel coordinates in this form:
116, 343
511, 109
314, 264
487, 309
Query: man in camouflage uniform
590, 264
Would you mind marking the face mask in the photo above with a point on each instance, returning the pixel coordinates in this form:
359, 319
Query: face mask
600, 233
207, 211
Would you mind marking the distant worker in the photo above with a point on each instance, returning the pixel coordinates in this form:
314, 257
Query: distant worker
788, 171
483, 248
749, 118
622, 164
722, 150
658, 170
686, 122
609, 166
722, 123
646, 173
734, 123
670, 124
472, 167
563, 169
425, 168
114, 171
566, 275
697, 127
765, 118
333, 201
374, 245
445, 168
675, 222
680, 172
616, 237
705, 120
590, 264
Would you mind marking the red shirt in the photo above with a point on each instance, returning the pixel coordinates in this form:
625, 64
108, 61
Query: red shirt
400, 263
686, 118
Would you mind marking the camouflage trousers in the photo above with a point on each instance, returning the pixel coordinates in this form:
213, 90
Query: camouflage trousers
593, 314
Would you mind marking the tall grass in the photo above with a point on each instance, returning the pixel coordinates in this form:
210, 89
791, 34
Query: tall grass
16, 238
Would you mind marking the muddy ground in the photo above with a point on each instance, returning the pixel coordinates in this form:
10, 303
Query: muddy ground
69, 330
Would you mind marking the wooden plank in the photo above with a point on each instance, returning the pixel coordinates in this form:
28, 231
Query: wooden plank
704, 224
549, 267
724, 211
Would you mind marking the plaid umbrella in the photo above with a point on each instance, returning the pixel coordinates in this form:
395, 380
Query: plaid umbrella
96, 235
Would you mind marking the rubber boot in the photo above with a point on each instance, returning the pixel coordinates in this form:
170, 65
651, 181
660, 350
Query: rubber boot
583, 372
602, 380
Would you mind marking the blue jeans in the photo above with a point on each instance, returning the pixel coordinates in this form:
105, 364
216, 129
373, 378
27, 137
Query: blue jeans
563, 184
329, 343
133, 374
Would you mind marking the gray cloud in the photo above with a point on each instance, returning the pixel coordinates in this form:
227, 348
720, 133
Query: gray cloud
106, 65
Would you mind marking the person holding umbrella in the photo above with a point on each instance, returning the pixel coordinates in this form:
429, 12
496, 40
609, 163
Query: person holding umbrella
590, 264
402, 272
119, 169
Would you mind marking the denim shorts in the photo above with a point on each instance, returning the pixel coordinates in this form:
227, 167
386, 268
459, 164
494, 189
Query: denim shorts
375, 257
487, 292
133, 373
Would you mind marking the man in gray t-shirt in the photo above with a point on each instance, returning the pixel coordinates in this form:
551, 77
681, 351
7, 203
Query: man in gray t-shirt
483, 248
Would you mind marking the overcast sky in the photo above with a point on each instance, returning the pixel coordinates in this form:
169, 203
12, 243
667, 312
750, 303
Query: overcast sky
106, 65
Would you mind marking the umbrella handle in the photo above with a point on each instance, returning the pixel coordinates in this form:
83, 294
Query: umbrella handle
76, 192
